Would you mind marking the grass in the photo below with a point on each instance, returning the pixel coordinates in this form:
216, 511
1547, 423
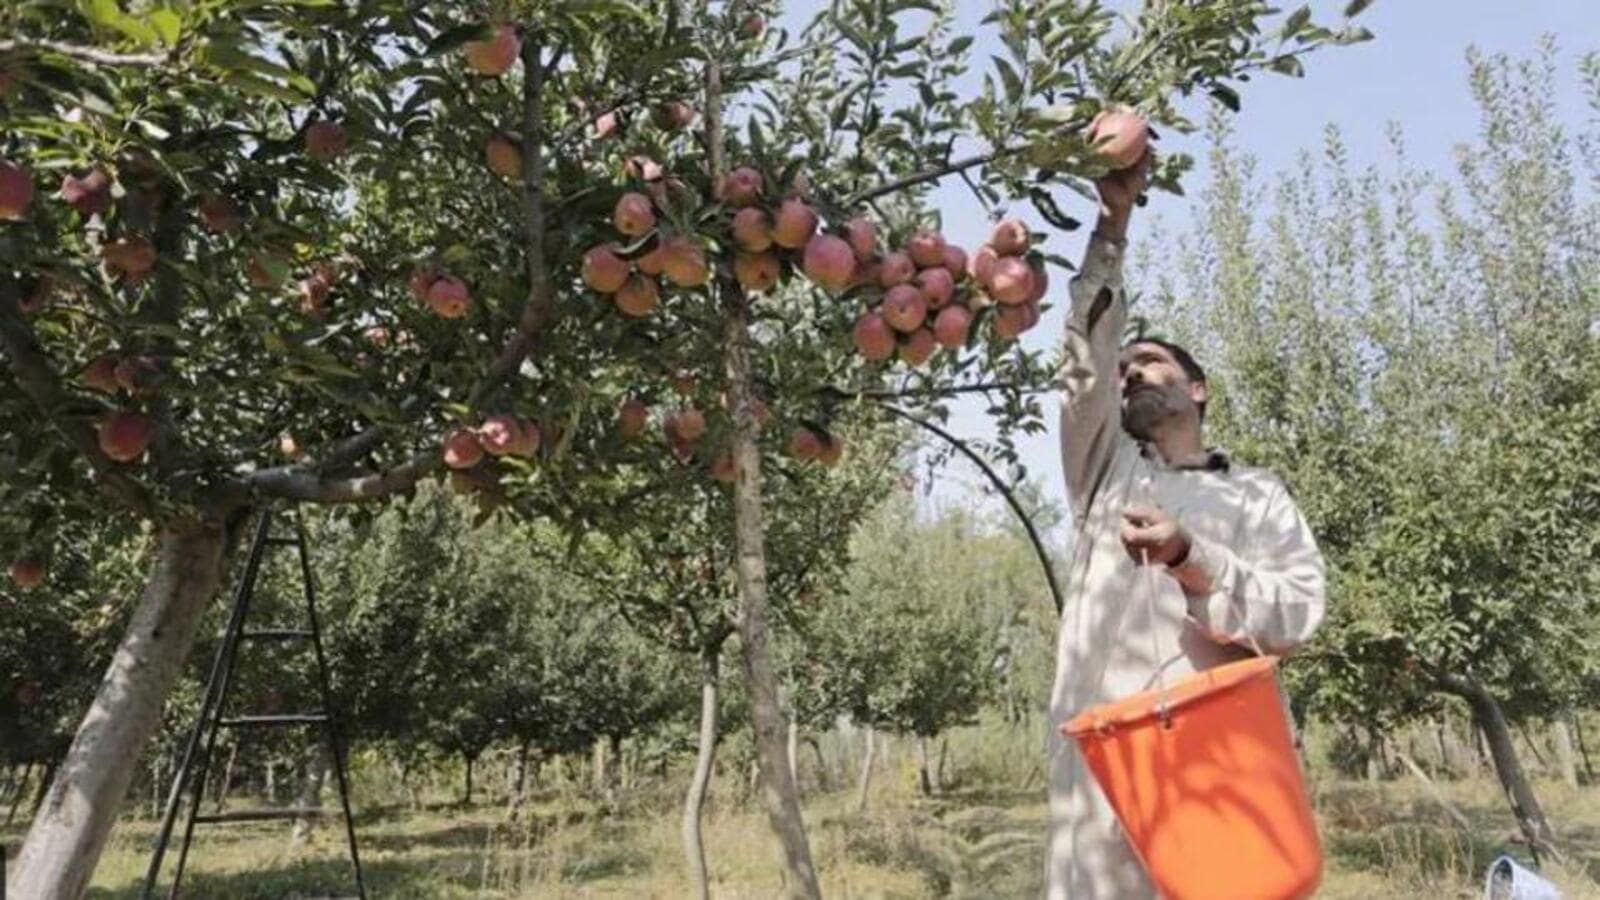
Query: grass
983, 838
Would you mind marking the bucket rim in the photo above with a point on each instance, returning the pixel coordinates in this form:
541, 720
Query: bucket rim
1143, 706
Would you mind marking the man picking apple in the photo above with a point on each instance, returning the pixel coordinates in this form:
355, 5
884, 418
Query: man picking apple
1184, 560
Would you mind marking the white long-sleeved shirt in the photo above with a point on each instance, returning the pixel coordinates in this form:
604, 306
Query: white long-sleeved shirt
1253, 576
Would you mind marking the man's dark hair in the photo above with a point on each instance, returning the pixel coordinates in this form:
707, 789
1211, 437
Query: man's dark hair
1186, 361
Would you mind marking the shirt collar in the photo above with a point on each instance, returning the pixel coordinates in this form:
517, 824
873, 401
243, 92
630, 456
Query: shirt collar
1215, 459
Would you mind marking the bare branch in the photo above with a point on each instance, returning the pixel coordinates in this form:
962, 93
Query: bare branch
87, 54
305, 484
981, 388
1003, 488
934, 174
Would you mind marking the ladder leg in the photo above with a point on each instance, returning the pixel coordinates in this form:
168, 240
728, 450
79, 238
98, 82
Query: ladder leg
332, 721
221, 663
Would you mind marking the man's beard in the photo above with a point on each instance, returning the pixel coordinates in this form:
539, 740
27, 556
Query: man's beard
1149, 408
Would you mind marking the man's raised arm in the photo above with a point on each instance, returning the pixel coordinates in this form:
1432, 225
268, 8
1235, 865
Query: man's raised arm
1091, 409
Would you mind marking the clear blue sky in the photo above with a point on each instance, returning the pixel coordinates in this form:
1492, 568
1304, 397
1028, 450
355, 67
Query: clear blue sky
1413, 73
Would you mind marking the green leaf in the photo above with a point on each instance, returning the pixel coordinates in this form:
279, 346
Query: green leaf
1355, 7
451, 38
1226, 95
1013, 82
1296, 21
959, 45
168, 25
1288, 65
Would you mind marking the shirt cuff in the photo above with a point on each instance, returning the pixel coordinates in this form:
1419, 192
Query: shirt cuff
1201, 569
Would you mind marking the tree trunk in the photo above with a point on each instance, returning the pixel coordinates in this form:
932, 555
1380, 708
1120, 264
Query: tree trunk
226, 783
794, 754
69, 833
824, 780
694, 803
1583, 749
466, 795
924, 777
778, 791
271, 782
614, 778
16, 798
316, 772
944, 754
1566, 756
599, 785
519, 785
866, 771
1524, 805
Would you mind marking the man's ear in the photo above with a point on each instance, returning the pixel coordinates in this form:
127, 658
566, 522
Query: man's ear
1198, 392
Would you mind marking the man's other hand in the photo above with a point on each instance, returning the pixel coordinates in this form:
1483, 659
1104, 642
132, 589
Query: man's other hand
1151, 530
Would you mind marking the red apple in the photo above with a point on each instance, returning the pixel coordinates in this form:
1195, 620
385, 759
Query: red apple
1120, 135
794, 224
863, 237
951, 327
632, 417
926, 249
896, 268
89, 195
634, 216
873, 337
503, 156
638, 296
741, 187
829, 262
27, 573
1012, 281
494, 56
919, 347
16, 191
1009, 238
752, 229
603, 270
461, 449
448, 297
124, 435
756, 272
325, 141
904, 308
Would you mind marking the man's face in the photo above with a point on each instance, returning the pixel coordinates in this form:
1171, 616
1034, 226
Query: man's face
1155, 390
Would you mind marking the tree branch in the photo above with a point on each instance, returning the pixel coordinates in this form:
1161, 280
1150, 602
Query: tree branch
303, 483
982, 388
1005, 490
949, 168
38, 380
537, 308
87, 54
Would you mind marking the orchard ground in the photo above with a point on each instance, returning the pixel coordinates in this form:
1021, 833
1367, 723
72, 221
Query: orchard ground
982, 836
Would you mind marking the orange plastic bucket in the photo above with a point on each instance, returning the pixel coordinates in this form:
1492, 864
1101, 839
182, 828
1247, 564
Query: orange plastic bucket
1204, 776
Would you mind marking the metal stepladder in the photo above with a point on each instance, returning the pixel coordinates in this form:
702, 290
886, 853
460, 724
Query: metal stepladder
197, 754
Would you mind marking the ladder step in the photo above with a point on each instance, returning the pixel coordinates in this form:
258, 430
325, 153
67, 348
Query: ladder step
289, 719
276, 634
282, 542
261, 815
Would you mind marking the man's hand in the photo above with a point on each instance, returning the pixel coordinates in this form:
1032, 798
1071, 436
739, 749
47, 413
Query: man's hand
1151, 530
1118, 192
